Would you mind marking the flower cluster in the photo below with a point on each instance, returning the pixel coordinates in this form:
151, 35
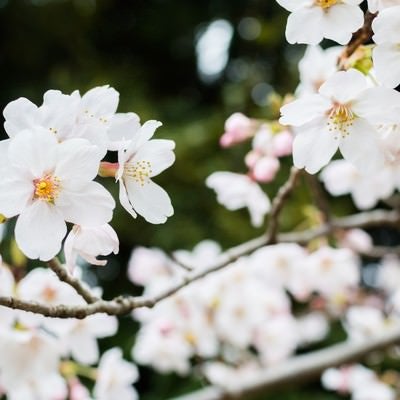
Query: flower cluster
208, 320
43, 357
51, 159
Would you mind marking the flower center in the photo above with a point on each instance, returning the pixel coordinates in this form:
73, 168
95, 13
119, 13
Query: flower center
340, 119
326, 3
47, 188
140, 171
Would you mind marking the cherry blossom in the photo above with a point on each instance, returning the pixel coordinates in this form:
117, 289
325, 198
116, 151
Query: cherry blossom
48, 183
312, 20
236, 191
89, 243
141, 160
343, 115
115, 377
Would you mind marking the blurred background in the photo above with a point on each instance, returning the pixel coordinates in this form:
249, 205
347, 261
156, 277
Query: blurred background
189, 64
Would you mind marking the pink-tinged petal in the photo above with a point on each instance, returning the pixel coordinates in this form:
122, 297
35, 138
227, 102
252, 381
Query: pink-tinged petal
344, 86
90, 206
150, 201
158, 152
40, 230
123, 128
386, 26
20, 114
84, 348
361, 147
77, 160
33, 152
341, 20
123, 198
378, 105
304, 110
386, 59
314, 146
15, 194
305, 25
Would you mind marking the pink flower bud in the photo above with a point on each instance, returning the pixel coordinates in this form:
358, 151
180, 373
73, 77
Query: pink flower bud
238, 128
266, 169
282, 144
251, 159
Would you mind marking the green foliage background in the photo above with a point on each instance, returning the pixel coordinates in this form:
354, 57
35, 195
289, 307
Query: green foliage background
145, 49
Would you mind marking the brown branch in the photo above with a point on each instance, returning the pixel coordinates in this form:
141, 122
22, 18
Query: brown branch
278, 203
66, 277
124, 305
298, 369
319, 197
362, 36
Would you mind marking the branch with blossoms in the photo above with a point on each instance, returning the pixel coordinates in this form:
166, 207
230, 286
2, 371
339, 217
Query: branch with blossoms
292, 285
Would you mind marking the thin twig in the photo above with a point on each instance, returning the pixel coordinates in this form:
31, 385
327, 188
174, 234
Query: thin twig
278, 203
66, 277
300, 368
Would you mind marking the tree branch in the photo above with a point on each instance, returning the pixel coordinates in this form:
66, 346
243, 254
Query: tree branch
80, 287
124, 305
300, 368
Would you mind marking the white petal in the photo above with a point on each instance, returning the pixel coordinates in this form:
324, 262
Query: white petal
34, 152
386, 59
341, 20
123, 198
144, 134
344, 86
101, 101
123, 127
361, 147
314, 146
159, 153
92, 205
39, 230
292, 5
84, 348
20, 114
77, 160
386, 26
305, 25
151, 201
15, 194
304, 110
378, 105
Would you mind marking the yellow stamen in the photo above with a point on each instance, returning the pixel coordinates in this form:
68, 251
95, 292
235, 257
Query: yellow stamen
46, 188
341, 118
140, 171
326, 3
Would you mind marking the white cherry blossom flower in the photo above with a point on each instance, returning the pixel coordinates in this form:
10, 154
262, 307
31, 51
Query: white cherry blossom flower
115, 377
386, 54
138, 163
312, 20
90, 243
91, 116
343, 115
7, 286
341, 177
48, 183
236, 191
